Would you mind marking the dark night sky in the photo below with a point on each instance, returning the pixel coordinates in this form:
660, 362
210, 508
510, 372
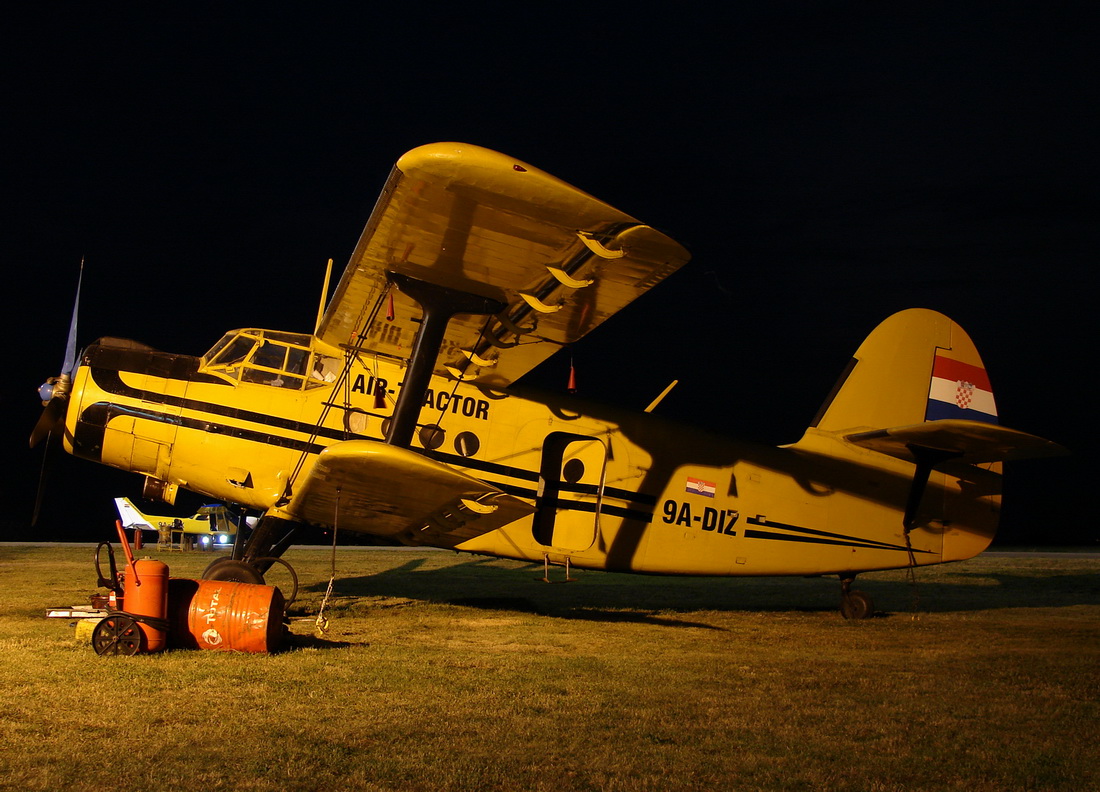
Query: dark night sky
826, 163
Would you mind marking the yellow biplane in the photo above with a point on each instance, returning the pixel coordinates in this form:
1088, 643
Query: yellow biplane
398, 415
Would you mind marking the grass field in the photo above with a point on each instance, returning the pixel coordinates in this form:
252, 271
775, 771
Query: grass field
441, 671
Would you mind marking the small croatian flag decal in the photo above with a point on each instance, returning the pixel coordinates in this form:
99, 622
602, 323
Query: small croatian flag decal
699, 487
960, 390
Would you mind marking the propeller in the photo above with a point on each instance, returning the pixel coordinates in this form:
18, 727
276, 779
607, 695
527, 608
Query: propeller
54, 392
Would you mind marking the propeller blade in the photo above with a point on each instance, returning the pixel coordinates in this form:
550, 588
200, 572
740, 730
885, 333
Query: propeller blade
70, 344
55, 391
41, 484
52, 417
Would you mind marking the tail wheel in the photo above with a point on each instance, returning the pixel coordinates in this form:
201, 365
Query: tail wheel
118, 635
856, 605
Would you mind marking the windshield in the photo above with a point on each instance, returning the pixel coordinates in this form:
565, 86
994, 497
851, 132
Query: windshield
270, 358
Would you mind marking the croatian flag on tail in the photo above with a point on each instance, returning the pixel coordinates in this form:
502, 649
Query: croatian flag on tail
960, 390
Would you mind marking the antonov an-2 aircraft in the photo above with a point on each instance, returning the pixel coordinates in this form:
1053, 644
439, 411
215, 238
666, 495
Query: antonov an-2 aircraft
398, 417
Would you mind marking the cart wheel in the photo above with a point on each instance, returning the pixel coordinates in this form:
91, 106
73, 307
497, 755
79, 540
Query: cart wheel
118, 635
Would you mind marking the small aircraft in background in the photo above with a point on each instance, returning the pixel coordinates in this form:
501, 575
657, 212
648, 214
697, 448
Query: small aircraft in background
399, 416
213, 523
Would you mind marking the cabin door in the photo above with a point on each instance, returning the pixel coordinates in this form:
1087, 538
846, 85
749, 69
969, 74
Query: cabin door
570, 493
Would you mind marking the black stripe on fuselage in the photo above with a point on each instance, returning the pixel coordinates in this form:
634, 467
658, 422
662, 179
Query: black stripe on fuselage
814, 536
109, 381
95, 418
638, 498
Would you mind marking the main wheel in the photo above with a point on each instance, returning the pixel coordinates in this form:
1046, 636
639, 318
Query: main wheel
857, 605
118, 635
233, 571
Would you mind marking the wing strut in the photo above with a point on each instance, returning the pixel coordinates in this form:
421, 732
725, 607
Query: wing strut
440, 303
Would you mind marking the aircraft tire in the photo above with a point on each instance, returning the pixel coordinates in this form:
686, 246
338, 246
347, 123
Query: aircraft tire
214, 563
233, 571
857, 605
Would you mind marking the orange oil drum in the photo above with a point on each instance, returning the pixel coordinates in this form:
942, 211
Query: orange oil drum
145, 593
225, 616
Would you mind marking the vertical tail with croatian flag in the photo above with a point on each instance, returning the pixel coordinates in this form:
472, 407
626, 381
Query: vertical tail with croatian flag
917, 394
918, 365
919, 372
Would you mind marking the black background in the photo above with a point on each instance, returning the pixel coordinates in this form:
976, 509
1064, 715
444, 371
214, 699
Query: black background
826, 163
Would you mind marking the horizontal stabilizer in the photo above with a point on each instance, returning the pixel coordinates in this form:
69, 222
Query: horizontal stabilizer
975, 442
383, 490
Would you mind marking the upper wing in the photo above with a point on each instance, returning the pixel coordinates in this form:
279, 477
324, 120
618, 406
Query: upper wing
362, 485
478, 221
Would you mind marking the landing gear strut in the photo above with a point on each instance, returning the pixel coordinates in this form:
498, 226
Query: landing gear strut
854, 604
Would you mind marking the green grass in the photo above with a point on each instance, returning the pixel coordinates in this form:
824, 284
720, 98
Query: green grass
443, 671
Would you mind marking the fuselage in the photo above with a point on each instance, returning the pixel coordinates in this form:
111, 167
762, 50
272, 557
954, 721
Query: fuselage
613, 490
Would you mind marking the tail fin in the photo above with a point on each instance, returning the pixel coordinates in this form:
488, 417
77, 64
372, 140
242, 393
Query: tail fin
131, 517
917, 390
917, 365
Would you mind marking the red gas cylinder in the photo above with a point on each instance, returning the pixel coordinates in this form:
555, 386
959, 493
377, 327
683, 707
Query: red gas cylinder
145, 593
224, 615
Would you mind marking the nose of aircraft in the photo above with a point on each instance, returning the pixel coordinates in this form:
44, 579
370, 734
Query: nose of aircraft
55, 398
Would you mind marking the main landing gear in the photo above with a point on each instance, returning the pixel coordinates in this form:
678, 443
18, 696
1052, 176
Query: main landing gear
253, 558
854, 604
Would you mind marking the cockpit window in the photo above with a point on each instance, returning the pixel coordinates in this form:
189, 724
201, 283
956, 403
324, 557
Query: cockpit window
218, 347
296, 359
233, 351
276, 364
266, 357
270, 355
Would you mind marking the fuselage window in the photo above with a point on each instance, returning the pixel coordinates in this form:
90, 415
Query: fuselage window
325, 370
